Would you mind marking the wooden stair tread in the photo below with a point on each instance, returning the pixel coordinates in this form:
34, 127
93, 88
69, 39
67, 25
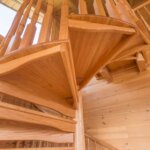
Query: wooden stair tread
92, 39
41, 70
19, 114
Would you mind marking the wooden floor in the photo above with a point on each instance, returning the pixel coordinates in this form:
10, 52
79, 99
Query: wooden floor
119, 112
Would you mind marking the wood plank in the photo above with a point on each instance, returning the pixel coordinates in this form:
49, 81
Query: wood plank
94, 27
16, 113
12, 130
9, 89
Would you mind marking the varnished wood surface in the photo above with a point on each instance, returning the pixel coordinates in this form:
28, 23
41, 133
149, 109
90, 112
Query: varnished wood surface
12, 130
118, 113
90, 37
51, 84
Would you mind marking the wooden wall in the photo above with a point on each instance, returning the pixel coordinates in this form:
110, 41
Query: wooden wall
119, 113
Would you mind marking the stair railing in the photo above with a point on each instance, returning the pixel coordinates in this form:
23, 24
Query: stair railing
93, 143
21, 34
143, 12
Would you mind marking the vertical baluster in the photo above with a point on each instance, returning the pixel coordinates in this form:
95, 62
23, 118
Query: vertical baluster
13, 28
99, 8
31, 28
55, 29
17, 38
82, 7
63, 33
47, 22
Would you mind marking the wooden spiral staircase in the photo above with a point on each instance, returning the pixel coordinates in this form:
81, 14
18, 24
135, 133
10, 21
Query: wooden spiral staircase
70, 50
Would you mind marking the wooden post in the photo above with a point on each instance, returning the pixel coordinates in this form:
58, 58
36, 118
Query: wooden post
17, 38
47, 23
13, 28
63, 33
99, 8
82, 7
79, 134
31, 28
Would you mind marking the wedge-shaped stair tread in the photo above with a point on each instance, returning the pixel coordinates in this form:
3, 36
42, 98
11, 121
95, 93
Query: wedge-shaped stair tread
42, 71
17, 113
92, 39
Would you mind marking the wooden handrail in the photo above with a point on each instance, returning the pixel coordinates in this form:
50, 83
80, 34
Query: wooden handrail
98, 142
142, 5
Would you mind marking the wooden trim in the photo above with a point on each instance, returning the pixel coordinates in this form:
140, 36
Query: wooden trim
95, 27
17, 113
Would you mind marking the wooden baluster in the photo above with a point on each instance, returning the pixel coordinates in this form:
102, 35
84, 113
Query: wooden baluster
82, 7
47, 23
13, 28
1, 38
111, 9
31, 28
63, 33
17, 38
99, 8
55, 29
